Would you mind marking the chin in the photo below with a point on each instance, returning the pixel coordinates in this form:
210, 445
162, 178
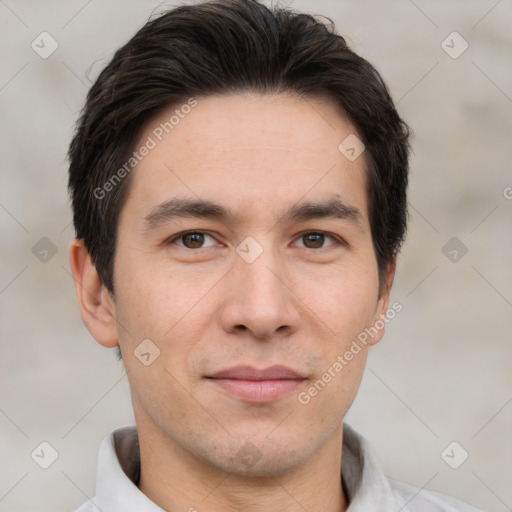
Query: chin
261, 457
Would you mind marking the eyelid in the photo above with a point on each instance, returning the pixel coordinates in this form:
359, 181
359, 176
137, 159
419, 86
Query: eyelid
174, 238
337, 240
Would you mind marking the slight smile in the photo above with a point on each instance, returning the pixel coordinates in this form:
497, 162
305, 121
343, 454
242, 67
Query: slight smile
253, 385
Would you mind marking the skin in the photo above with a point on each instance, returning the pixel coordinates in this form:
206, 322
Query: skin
299, 304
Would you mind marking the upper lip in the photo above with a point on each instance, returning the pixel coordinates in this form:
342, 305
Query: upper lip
276, 372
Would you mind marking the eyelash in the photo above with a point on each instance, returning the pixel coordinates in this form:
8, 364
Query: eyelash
336, 239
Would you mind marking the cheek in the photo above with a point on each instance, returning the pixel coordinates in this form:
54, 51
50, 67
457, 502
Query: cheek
347, 302
152, 298
151, 309
330, 395
166, 309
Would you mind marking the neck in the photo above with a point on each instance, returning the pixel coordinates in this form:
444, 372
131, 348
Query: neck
176, 480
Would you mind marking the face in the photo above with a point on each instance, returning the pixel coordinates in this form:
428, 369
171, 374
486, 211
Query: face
252, 294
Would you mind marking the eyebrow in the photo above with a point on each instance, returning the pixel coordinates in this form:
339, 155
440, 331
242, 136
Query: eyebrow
205, 209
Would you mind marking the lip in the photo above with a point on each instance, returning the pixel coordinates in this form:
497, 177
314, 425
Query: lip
276, 372
257, 385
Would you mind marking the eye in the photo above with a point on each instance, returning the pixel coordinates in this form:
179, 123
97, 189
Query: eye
192, 240
316, 239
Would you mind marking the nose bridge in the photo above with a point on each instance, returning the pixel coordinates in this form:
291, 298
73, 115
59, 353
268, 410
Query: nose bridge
261, 299
258, 270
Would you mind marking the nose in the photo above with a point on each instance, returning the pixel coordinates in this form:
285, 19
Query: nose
261, 299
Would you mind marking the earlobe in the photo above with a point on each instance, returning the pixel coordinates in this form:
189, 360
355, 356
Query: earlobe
94, 300
383, 302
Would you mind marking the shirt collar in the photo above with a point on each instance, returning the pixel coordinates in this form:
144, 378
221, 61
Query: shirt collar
119, 467
118, 474
364, 480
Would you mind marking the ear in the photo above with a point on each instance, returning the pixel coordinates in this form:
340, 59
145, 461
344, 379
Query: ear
382, 303
96, 304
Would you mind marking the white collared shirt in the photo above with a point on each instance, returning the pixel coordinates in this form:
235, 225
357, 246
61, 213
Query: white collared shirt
367, 488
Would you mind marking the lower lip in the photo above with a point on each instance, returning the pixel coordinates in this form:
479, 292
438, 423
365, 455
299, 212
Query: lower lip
258, 390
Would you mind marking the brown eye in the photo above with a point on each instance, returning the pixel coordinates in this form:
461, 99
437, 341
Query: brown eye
192, 240
316, 240
313, 240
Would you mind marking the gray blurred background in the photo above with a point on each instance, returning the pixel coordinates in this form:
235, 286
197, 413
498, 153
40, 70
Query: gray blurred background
443, 372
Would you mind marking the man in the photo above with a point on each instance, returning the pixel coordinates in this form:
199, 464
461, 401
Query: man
238, 179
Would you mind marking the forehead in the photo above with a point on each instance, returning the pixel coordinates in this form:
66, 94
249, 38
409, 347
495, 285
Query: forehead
248, 149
